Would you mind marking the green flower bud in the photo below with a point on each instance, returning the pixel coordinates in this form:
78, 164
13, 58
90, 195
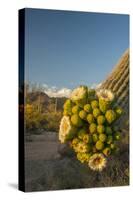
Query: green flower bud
102, 137
83, 157
93, 128
80, 157
90, 118
110, 116
101, 119
107, 151
76, 121
96, 112
100, 129
88, 108
94, 104
67, 107
76, 109
95, 137
82, 114
103, 105
99, 145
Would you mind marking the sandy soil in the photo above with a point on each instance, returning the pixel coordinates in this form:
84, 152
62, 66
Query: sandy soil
41, 150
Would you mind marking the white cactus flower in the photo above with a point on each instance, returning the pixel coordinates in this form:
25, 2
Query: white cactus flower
97, 162
106, 95
79, 93
65, 128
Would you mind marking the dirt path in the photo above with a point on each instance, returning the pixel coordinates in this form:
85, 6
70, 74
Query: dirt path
41, 150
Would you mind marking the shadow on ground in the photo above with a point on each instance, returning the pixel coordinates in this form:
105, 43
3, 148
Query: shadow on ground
13, 185
46, 168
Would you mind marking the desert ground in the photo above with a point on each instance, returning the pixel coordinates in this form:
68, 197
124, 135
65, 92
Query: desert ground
49, 166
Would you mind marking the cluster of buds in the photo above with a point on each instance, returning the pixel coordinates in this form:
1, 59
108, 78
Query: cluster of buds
89, 125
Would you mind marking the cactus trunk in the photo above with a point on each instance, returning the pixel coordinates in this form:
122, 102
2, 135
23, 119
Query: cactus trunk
118, 83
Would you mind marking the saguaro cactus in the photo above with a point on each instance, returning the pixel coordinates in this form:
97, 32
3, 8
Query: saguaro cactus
118, 82
93, 117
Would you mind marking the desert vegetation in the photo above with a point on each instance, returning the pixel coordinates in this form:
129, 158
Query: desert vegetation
42, 113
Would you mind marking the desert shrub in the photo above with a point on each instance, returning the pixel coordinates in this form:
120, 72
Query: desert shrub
53, 120
35, 120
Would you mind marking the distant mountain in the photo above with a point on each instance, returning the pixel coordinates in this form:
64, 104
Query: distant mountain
43, 99
38, 96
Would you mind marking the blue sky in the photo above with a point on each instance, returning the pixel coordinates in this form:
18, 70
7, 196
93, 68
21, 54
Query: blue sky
67, 49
